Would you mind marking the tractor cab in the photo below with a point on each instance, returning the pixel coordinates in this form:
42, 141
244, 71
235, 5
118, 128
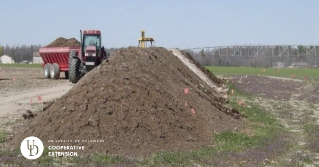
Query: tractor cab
90, 43
92, 51
91, 38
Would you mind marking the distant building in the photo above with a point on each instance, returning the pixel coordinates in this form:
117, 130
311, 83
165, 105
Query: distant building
5, 59
279, 64
299, 65
37, 59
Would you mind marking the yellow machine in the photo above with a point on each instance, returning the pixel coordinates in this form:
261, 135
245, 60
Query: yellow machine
142, 42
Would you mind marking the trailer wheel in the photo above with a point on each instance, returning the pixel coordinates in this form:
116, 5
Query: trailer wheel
66, 74
55, 71
46, 70
74, 69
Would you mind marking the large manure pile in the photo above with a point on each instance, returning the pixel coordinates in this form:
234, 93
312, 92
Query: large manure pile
139, 101
63, 42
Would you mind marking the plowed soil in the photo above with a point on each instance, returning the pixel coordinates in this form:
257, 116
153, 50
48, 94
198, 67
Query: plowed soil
63, 42
139, 101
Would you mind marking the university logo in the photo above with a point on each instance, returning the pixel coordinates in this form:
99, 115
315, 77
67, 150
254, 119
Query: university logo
31, 147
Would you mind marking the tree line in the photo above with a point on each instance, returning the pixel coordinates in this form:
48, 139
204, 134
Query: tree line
19, 52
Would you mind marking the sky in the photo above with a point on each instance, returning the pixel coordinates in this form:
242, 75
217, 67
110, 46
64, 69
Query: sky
172, 23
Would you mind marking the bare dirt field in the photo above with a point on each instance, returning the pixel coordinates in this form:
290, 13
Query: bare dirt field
23, 89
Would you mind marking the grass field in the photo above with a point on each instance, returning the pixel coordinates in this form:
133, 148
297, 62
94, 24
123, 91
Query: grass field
299, 73
21, 65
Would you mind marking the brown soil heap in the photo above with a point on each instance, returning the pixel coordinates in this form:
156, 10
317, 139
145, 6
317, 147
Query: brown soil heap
62, 42
72, 42
136, 102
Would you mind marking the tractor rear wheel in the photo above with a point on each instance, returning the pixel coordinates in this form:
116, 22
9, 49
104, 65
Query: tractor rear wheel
47, 68
74, 68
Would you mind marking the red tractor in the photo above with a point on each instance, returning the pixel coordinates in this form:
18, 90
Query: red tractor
74, 61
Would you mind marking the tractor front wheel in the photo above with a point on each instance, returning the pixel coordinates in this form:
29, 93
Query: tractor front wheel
74, 69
